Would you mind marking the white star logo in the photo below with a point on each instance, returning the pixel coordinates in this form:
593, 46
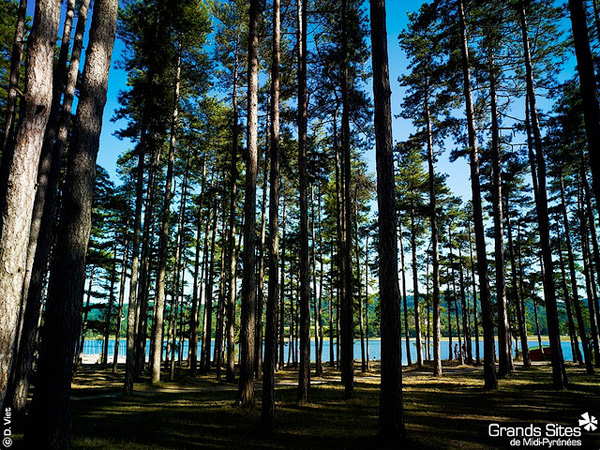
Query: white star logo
589, 423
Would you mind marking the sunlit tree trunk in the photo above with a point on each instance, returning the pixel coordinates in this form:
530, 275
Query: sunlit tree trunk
49, 421
41, 233
21, 169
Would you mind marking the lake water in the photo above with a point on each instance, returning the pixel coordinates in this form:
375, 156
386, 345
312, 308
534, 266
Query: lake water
94, 347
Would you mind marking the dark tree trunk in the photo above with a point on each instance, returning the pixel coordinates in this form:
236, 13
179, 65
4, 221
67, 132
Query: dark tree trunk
474, 284
231, 256
595, 247
315, 300
245, 395
505, 362
417, 309
575, 351
366, 297
15, 71
448, 298
198, 271
489, 369
159, 304
437, 334
109, 307
260, 295
49, 421
519, 306
41, 236
282, 293
331, 309
178, 276
124, 264
404, 299
86, 311
559, 374
268, 393
319, 310
208, 299
21, 170
574, 289
205, 275
346, 307
460, 355
590, 282
142, 305
305, 291
588, 87
391, 413
466, 322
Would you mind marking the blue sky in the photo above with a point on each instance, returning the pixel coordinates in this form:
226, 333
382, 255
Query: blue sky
111, 147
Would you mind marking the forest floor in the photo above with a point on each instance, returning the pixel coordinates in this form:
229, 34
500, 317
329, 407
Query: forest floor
453, 412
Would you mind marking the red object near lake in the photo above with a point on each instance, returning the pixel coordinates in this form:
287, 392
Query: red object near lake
536, 353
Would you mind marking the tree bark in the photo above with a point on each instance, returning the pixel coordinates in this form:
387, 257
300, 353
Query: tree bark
559, 374
159, 304
576, 352
489, 369
41, 236
346, 306
282, 290
435, 263
589, 277
305, 291
49, 422
588, 88
404, 299
109, 307
245, 394
177, 275
208, 299
466, 322
519, 306
416, 305
505, 362
474, 284
15, 71
268, 393
391, 413
124, 264
574, 289
231, 256
21, 170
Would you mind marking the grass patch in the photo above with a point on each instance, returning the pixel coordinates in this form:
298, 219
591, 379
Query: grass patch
452, 412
